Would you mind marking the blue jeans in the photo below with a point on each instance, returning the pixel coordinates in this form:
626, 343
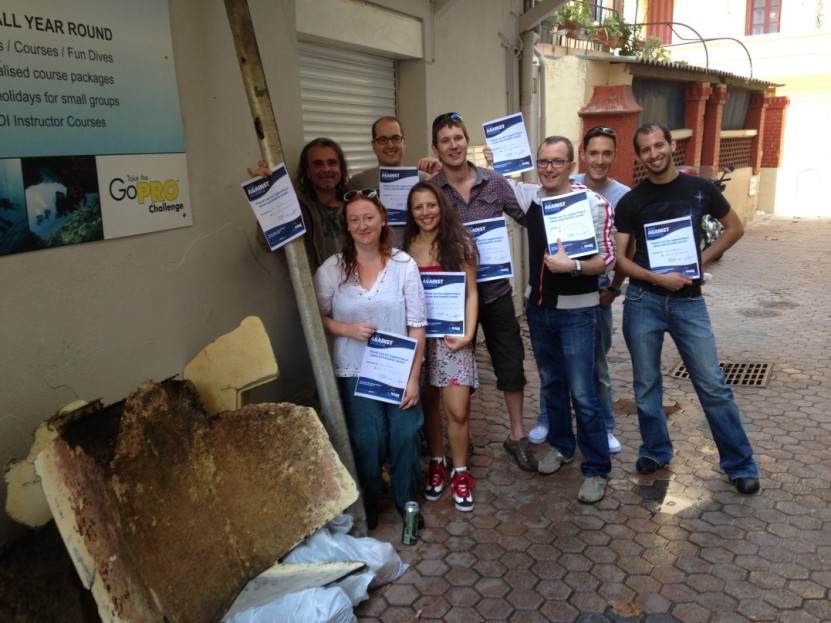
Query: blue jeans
604, 387
604, 345
564, 343
377, 430
646, 317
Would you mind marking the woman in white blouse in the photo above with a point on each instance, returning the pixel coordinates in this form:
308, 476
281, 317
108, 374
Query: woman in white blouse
369, 287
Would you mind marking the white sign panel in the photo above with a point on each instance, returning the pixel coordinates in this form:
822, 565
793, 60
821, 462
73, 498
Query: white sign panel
91, 135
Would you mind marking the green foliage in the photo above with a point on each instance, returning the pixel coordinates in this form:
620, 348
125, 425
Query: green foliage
612, 31
634, 44
615, 26
85, 225
574, 16
653, 48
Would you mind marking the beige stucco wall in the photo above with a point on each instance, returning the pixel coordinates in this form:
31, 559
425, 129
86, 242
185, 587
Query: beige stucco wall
800, 58
95, 320
742, 193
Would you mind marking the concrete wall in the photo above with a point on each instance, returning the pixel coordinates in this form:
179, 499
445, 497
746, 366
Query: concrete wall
742, 193
95, 320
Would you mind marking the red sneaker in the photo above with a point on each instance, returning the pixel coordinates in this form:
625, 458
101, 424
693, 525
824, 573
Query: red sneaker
436, 481
461, 485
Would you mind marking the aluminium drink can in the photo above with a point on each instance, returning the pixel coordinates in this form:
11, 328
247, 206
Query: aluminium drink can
409, 533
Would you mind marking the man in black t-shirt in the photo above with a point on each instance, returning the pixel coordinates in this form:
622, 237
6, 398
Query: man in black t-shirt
662, 214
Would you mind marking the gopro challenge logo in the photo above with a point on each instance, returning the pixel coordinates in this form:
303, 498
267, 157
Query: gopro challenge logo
143, 189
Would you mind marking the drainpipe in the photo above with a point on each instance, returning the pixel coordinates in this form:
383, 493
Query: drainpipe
526, 96
542, 105
511, 52
271, 149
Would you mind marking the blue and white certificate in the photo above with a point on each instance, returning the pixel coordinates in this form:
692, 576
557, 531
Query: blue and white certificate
276, 207
491, 235
569, 218
444, 294
385, 368
671, 247
508, 140
395, 185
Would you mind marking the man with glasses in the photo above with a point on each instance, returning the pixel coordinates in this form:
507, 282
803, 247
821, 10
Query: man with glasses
562, 319
670, 301
389, 144
476, 194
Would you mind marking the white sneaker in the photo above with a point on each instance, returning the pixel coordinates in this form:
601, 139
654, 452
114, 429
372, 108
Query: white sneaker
614, 444
592, 490
538, 435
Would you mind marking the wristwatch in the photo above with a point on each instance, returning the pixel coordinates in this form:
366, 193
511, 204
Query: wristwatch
613, 290
575, 272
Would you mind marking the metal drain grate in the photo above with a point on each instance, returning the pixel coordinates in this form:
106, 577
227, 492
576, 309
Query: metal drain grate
737, 374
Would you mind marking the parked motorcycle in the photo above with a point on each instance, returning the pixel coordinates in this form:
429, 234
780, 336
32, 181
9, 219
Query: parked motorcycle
710, 228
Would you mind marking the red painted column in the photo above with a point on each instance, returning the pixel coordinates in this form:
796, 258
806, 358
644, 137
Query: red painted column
755, 120
711, 141
696, 95
616, 108
774, 132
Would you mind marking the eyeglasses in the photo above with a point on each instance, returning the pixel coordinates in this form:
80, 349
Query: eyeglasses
384, 140
556, 163
444, 118
366, 193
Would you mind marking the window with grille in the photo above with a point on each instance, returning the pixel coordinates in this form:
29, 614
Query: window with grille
735, 152
763, 16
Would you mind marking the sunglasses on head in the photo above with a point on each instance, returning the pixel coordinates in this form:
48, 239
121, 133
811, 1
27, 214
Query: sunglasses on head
600, 130
366, 193
444, 118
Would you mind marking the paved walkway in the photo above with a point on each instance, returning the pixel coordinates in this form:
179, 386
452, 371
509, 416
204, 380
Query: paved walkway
678, 545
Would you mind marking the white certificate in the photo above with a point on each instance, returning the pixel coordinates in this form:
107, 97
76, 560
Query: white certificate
569, 218
671, 247
395, 186
276, 207
385, 368
508, 140
491, 235
444, 294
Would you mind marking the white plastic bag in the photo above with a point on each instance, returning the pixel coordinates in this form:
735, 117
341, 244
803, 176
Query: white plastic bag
314, 605
326, 546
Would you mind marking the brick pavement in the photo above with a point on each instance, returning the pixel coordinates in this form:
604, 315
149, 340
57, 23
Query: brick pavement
680, 544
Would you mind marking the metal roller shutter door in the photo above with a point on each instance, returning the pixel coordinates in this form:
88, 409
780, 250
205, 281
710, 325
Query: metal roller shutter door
343, 93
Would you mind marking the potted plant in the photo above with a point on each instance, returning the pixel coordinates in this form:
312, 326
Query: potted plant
654, 49
612, 30
633, 43
575, 19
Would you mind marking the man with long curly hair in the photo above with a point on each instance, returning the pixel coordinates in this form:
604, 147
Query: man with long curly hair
322, 177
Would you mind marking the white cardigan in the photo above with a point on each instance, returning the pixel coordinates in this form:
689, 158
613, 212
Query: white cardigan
395, 302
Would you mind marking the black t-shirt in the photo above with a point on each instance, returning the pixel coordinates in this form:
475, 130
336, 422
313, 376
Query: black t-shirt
686, 195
